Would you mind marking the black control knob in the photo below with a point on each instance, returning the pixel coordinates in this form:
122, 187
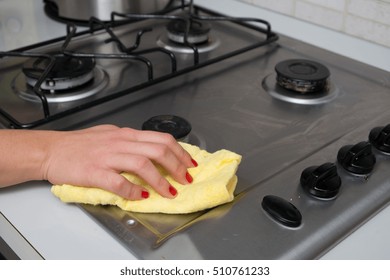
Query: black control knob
282, 211
380, 138
321, 181
357, 159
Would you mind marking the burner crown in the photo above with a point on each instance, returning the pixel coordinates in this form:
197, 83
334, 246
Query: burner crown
301, 75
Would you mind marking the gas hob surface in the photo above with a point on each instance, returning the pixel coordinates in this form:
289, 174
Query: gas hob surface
229, 107
236, 104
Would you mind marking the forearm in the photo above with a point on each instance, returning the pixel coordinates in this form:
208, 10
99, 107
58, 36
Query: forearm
22, 155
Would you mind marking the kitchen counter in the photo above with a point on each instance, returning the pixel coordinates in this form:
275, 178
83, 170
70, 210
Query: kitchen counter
35, 224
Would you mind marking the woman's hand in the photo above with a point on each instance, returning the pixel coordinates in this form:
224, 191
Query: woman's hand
96, 156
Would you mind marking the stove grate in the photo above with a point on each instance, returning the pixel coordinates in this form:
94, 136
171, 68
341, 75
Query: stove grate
188, 13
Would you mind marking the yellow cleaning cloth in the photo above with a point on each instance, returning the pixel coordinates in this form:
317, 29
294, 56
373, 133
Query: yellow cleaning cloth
214, 183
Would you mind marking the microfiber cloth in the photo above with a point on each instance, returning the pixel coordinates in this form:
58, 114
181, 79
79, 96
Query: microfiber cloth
214, 182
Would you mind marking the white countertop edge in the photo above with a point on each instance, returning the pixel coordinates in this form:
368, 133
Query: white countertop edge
68, 232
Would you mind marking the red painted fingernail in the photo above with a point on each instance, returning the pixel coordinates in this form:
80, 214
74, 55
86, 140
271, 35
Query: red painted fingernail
194, 162
172, 190
189, 178
145, 194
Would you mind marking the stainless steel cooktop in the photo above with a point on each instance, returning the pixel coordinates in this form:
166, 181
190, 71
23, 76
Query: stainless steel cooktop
236, 104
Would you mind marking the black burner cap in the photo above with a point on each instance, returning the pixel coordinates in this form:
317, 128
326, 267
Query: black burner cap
174, 125
302, 75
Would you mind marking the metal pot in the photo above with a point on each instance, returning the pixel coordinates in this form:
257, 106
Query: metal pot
101, 9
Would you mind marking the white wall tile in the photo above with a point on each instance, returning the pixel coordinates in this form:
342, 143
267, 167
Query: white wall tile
366, 19
338, 5
280, 6
246, 1
369, 30
319, 15
378, 11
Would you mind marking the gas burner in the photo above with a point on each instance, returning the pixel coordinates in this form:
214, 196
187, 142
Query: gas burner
199, 34
198, 31
174, 125
290, 96
301, 81
302, 75
70, 79
67, 72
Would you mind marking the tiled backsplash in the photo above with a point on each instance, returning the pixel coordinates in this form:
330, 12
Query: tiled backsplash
366, 19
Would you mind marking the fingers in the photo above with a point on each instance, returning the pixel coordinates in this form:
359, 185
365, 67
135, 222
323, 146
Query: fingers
161, 138
119, 185
155, 152
162, 148
145, 169
168, 153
